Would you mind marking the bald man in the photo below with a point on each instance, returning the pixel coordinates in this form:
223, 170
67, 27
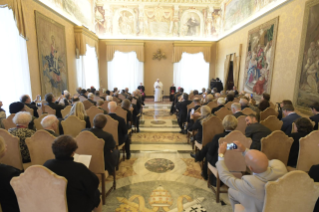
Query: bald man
249, 191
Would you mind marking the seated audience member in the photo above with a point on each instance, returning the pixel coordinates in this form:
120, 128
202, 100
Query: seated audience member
220, 103
22, 120
255, 131
122, 129
243, 102
181, 106
217, 95
236, 110
127, 91
176, 99
50, 123
17, 107
281, 105
203, 91
249, 191
8, 198
195, 92
315, 117
83, 93
67, 98
210, 150
93, 89
263, 105
266, 97
208, 91
75, 99
314, 174
97, 93
79, 111
25, 99
303, 127
209, 98
214, 90
109, 98
52, 103
78, 90
82, 190
291, 116
91, 98
2, 115
196, 101
126, 104
99, 105
111, 155
198, 125
235, 91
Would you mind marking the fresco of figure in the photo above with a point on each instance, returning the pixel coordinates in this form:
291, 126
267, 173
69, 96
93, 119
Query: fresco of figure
192, 25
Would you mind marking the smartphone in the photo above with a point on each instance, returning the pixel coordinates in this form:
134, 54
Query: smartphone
251, 95
193, 111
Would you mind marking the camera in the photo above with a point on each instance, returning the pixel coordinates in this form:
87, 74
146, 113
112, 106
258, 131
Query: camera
231, 146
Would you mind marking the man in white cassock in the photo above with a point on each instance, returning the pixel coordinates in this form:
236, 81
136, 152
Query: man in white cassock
158, 87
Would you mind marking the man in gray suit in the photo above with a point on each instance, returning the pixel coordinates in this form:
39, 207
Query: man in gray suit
249, 191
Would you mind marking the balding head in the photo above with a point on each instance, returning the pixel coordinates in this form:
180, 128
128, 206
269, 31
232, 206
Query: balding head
112, 106
99, 121
25, 99
50, 122
256, 161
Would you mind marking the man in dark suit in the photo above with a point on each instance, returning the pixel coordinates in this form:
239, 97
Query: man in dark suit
217, 84
141, 88
175, 100
196, 101
25, 99
220, 103
244, 102
137, 110
122, 129
83, 93
52, 103
172, 91
182, 111
236, 110
281, 105
291, 116
51, 124
111, 155
255, 131
91, 98
315, 117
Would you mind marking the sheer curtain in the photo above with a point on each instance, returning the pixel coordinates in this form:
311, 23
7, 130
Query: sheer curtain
14, 65
191, 72
87, 69
125, 70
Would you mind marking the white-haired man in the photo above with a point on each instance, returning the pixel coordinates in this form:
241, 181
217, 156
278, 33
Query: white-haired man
220, 102
236, 110
243, 102
50, 123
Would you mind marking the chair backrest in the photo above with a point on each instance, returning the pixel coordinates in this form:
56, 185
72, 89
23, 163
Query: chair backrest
46, 109
121, 113
92, 112
234, 160
241, 126
89, 144
37, 122
82, 98
121, 96
212, 104
228, 105
13, 155
272, 105
268, 112
66, 111
117, 100
248, 111
38, 189
112, 128
87, 104
8, 123
308, 151
211, 127
105, 106
222, 112
272, 123
30, 110
73, 126
289, 191
97, 98
277, 146
40, 147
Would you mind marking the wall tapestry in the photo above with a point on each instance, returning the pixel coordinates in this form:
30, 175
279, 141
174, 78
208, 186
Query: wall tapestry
307, 81
52, 55
260, 56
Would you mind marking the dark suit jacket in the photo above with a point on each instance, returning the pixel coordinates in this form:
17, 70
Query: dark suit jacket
238, 114
129, 118
215, 109
122, 128
212, 148
197, 126
108, 147
287, 122
51, 132
82, 188
217, 85
141, 87
8, 198
190, 110
315, 118
294, 150
182, 110
243, 107
34, 107
256, 132
57, 109
314, 174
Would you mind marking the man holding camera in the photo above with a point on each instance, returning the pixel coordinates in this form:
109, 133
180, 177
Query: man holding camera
249, 191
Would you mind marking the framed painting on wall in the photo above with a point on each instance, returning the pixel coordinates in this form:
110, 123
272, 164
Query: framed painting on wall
52, 55
260, 57
307, 80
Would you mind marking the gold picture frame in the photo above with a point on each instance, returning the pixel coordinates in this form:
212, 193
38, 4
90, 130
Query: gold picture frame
52, 54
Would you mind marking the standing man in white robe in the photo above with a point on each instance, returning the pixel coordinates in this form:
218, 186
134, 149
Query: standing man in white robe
158, 87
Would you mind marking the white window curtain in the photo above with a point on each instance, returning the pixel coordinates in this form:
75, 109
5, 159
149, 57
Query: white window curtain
125, 70
87, 69
14, 64
191, 72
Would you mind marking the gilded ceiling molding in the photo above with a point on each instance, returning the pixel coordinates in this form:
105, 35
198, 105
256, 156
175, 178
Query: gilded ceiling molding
194, 2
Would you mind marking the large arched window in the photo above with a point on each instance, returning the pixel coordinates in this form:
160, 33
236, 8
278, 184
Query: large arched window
125, 70
191, 72
14, 65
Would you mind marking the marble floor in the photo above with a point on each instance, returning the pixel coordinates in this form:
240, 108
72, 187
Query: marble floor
161, 175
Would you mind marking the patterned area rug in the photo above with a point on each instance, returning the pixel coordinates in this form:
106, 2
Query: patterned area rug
125, 170
193, 168
159, 138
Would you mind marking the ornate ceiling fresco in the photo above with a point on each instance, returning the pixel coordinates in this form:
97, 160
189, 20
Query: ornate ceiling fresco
166, 19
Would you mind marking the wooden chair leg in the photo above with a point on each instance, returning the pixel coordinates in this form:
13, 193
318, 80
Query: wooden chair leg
103, 189
124, 154
217, 188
